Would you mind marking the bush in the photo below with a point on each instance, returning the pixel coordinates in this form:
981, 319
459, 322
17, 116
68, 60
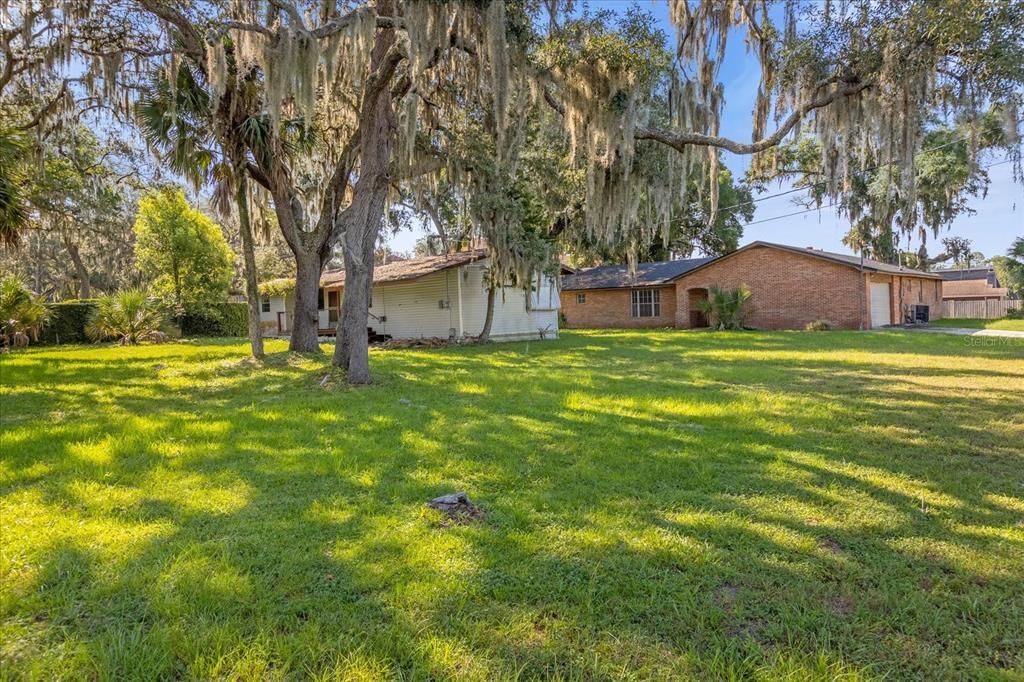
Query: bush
69, 321
129, 316
819, 326
727, 308
23, 315
221, 319
1017, 314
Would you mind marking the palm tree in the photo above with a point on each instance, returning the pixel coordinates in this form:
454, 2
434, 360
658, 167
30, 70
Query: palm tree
182, 124
727, 308
130, 316
1017, 249
13, 211
22, 313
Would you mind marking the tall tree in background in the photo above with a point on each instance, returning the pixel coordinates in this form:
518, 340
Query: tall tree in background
81, 201
182, 250
689, 231
1009, 269
78, 195
948, 175
206, 146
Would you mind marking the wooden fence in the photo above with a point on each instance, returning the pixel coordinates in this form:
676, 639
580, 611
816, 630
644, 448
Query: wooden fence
988, 310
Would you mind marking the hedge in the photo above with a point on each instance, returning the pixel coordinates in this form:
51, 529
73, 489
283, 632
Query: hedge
68, 322
221, 319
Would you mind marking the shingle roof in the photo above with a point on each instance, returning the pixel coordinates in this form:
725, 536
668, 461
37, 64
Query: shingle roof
842, 258
850, 259
617, 276
984, 273
414, 268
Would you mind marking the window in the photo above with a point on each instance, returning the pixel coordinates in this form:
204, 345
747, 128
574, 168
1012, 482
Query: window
265, 304
646, 302
320, 298
581, 299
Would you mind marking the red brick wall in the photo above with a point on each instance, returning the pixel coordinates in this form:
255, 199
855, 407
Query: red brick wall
610, 308
918, 290
788, 289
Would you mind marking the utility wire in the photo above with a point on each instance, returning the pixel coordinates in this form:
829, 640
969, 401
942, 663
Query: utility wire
822, 182
818, 208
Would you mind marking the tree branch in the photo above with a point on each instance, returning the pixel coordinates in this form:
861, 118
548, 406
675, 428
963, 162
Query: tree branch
292, 12
47, 109
680, 140
190, 37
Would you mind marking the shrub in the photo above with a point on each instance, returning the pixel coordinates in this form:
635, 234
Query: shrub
129, 316
22, 313
819, 326
1017, 314
69, 321
727, 308
221, 319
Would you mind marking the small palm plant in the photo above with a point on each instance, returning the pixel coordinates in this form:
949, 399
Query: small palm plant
129, 316
727, 308
22, 313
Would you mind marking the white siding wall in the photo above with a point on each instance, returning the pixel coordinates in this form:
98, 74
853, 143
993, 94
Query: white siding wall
277, 304
286, 304
512, 318
410, 309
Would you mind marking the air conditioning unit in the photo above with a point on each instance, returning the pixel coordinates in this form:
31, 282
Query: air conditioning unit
919, 314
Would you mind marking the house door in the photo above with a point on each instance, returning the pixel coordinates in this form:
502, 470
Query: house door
881, 312
696, 300
333, 306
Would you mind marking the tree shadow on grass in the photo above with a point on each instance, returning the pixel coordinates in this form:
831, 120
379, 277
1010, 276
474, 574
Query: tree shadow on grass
707, 520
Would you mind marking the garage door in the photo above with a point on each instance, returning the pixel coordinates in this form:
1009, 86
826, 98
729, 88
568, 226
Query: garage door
880, 312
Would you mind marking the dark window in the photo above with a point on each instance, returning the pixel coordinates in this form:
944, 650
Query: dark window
265, 304
320, 298
646, 302
581, 299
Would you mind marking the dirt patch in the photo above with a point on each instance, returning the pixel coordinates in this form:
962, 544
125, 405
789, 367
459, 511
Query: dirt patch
748, 629
842, 605
830, 545
726, 594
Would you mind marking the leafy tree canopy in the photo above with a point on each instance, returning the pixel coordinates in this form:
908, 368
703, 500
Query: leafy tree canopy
182, 250
1010, 268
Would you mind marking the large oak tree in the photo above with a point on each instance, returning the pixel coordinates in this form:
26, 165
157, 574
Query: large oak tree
329, 106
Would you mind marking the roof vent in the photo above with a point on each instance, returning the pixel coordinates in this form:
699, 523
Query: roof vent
809, 248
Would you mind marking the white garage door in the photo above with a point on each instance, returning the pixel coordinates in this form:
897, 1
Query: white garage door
880, 312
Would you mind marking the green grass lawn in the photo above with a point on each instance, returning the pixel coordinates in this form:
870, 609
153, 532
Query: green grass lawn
664, 505
965, 323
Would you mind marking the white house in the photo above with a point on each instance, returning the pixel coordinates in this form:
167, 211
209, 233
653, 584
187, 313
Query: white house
436, 296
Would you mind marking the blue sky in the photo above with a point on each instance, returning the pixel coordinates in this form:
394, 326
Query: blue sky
998, 220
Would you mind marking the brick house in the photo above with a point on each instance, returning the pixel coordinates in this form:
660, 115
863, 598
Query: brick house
972, 284
790, 287
608, 296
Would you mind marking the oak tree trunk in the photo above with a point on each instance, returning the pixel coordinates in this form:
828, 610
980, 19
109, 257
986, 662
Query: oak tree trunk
485, 335
305, 318
81, 272
364, 216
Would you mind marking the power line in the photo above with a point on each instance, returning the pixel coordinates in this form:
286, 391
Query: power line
822, 182
818, 208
